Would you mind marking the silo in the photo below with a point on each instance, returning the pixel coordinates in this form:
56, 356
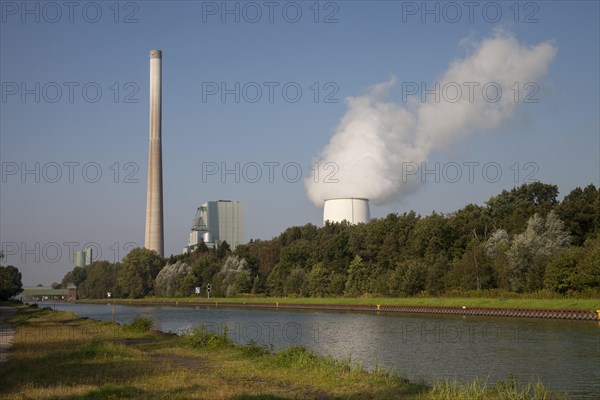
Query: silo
353, 210
207, 237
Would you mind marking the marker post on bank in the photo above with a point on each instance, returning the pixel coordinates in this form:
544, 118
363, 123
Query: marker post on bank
109, 295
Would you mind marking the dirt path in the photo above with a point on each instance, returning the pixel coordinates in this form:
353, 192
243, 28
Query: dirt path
6, 331
192, 363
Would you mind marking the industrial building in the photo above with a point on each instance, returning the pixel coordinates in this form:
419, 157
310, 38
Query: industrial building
217, 222
82, 258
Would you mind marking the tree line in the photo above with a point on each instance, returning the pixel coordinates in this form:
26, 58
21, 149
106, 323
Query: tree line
10, 281
522, 240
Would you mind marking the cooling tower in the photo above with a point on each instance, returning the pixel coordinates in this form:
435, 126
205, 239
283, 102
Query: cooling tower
353, 210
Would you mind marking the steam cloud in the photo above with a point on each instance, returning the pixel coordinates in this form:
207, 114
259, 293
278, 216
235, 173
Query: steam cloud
374, 138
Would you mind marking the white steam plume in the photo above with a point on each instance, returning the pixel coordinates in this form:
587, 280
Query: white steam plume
374, 138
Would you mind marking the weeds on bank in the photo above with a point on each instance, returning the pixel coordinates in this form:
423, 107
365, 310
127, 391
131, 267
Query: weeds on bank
201, 338
481, 390
139, 324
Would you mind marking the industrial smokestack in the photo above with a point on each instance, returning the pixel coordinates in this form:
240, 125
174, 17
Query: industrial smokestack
154, 197
353, 210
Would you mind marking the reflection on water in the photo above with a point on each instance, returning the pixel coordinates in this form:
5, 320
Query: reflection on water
564, 355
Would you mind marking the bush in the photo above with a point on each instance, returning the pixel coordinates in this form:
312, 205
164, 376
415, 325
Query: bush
255, 349
140, 324
295, 355
200, 337
300, 357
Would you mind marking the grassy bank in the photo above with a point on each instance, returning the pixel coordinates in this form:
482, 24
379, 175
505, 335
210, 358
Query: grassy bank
563, 304
58, 355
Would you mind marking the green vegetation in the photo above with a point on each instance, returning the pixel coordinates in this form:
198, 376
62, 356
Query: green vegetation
140, 324
522, 242
560, 303
478, 390
10, 281
57, 355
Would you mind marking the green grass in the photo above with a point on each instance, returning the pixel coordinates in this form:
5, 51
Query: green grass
565, 304
58, 355
481, 390
109, 391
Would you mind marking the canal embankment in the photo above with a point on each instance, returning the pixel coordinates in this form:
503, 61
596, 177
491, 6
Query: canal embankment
488, 311
55, 357
7, 332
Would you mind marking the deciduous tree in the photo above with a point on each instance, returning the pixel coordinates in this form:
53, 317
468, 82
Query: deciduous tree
531, 251
172, 280
138, 272
10, 282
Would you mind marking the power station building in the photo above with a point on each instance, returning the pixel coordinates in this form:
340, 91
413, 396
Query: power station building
217, 222
82, 258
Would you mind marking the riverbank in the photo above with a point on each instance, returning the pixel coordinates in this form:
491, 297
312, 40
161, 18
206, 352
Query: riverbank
7, 333
579, 309
59, 355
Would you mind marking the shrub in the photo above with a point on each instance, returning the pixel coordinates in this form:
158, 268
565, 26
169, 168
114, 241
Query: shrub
140, 324
200, 337
255, 349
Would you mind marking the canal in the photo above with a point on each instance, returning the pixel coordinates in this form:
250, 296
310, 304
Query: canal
564, 355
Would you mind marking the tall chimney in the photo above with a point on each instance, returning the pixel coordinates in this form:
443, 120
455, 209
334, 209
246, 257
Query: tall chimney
154, 197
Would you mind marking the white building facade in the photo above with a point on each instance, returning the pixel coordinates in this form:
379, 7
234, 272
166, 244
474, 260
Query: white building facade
217, 222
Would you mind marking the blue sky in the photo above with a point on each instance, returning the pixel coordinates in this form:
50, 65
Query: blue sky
363, 43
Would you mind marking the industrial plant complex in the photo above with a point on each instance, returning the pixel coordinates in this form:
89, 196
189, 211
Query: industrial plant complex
217, 222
